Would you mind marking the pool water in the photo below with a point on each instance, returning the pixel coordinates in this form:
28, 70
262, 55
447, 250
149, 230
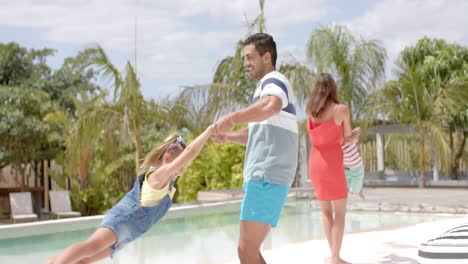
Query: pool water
203, 236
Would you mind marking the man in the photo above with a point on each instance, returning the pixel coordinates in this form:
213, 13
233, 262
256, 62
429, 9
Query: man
272, 144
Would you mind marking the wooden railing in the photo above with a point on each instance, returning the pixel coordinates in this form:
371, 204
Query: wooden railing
401, 154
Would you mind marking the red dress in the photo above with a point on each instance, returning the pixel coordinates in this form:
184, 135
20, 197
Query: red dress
326, 169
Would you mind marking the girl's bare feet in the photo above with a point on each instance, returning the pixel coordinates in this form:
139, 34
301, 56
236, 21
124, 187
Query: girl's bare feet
361, 194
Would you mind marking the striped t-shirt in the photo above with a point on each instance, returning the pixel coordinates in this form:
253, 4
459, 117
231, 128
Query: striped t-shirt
351, 155
272, 144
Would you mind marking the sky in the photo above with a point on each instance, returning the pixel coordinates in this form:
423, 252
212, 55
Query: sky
179, 43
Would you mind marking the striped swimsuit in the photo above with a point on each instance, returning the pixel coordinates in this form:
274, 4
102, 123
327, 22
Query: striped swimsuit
351, 156
354, 169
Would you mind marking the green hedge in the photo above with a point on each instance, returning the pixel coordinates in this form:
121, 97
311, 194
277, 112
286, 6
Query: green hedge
219, 166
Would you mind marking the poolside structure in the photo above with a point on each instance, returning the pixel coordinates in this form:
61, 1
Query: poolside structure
381, 176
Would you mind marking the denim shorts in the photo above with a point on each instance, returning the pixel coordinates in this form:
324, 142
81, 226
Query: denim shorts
129, 220
263, 201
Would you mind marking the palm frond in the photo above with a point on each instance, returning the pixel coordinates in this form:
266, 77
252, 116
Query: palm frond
301, 79
98, 59
357, 65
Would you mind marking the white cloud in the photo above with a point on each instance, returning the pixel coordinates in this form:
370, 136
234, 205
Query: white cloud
400, 23
185, 57
108, 20
176, 40
291, 54
279, 12
293, 12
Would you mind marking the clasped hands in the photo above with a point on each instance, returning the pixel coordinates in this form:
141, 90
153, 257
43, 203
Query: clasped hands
221, 128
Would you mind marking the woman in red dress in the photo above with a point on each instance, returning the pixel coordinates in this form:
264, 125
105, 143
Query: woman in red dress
328, 126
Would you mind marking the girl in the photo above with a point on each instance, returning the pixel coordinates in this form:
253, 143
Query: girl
143, 206
328, 126
354, 168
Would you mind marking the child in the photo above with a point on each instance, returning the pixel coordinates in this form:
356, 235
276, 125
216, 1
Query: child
354, 169
143, 206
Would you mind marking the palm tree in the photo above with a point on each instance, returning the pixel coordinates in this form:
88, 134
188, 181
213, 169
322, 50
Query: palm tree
358, 65
127, 94
421, 97
197, 107
81, 134
233, 80
456, 120
134, 109
84, 136
445, 66
230, 73
301, 79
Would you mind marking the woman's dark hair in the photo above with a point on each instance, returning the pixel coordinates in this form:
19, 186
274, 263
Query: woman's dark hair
323, 93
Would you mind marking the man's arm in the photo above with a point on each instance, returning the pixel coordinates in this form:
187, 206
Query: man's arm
264, 108
239, 137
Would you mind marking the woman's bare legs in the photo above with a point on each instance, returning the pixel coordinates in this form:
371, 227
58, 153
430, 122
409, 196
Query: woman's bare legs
327, 219
333, 215
338, 226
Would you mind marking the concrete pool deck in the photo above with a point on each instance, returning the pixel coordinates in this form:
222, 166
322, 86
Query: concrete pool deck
392, 246
428, 200
395, 246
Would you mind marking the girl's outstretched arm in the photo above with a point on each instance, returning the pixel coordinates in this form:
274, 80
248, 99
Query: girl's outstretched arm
166, 171
345, 119
354, 138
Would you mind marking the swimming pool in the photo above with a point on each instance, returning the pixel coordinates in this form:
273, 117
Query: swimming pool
205, 234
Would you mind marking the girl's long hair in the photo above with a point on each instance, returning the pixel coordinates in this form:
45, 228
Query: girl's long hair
155, 156
323, 93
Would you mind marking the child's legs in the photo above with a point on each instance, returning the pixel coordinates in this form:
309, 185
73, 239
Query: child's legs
327, 218
91, 248
103, 254
355, 178
337, 229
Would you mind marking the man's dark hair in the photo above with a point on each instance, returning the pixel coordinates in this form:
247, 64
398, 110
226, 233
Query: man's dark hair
263, 43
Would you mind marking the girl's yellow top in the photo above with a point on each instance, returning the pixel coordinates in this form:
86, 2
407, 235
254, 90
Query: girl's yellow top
150, 196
